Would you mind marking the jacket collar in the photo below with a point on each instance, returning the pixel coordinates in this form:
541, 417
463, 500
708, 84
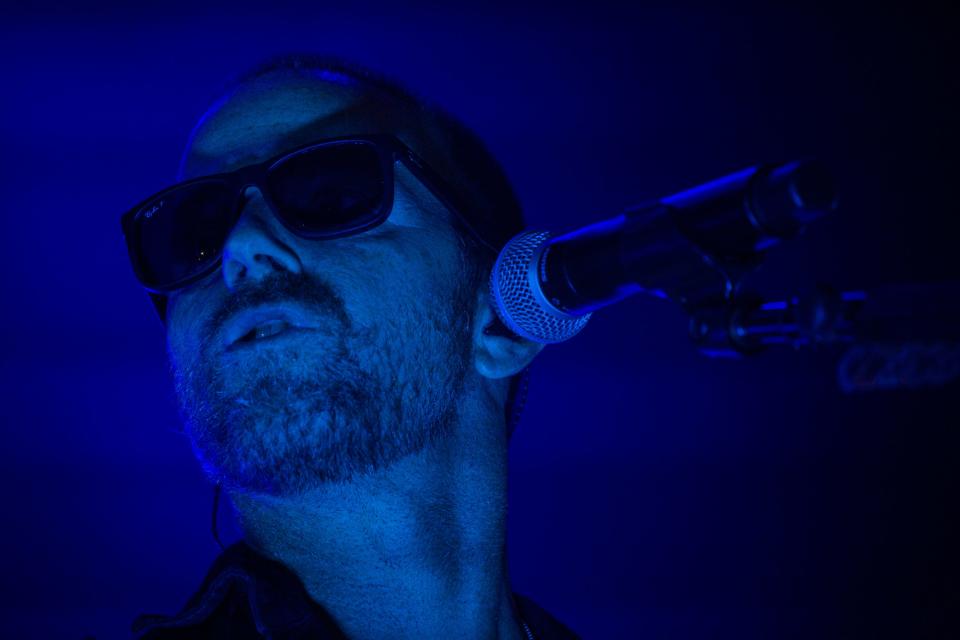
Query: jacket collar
245, 591
240, 577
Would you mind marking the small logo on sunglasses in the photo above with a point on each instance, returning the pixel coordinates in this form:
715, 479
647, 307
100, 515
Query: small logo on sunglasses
152, 210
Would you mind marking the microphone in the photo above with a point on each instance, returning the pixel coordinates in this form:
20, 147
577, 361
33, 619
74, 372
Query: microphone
690, 247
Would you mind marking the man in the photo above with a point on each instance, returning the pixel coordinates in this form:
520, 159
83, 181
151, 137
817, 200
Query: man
340, 370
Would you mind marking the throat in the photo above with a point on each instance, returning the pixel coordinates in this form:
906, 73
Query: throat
419, 547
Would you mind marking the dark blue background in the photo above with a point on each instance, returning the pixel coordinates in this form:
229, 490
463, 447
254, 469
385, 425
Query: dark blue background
655, 493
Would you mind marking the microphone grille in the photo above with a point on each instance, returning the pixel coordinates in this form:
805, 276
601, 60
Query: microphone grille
518, 299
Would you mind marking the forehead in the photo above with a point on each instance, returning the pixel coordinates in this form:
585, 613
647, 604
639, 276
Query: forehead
272, 114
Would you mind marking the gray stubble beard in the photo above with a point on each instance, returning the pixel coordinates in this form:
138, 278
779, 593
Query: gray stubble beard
300, 421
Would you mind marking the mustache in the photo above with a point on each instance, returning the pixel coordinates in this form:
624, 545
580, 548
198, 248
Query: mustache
279, 288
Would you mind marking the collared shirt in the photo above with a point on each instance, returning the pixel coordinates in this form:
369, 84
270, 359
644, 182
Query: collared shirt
246, 595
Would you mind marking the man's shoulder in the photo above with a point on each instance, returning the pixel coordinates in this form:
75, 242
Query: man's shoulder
246, 595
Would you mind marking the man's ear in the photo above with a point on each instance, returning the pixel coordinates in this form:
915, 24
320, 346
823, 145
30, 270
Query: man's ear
498, 352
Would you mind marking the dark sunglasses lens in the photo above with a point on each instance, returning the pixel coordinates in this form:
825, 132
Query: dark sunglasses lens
331, 189
181, 232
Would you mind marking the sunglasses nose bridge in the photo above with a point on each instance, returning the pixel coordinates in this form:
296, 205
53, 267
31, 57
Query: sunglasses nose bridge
245, 186
256, 238
246, 178
246, 190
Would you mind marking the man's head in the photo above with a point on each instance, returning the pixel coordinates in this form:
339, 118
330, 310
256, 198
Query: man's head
400, 328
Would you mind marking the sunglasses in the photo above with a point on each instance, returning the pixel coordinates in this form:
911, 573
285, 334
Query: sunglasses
321, 191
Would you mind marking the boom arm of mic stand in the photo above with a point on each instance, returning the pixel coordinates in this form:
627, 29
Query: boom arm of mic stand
891, 314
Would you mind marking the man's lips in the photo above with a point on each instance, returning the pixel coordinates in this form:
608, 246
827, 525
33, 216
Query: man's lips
263, 322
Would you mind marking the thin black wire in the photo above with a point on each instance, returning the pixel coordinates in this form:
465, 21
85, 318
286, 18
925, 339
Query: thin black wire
519, 401
213, 516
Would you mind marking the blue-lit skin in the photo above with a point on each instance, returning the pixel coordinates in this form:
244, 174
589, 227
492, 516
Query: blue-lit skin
369, 456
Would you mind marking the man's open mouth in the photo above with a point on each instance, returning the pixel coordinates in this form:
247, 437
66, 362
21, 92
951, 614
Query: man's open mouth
266, 324
265, 331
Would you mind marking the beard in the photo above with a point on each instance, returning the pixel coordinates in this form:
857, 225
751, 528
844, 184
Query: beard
285, 418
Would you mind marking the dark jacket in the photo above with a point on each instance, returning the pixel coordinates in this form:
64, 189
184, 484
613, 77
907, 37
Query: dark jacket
248, 596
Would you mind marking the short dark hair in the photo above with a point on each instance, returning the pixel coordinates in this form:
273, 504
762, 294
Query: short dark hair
479, 183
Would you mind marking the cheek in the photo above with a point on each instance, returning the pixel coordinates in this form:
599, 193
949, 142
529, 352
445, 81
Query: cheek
402, 274
423, 281
183, 335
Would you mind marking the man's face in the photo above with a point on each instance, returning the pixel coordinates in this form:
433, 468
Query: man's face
377, 373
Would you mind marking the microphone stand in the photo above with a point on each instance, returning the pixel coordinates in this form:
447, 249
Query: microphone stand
696, 246
905, 335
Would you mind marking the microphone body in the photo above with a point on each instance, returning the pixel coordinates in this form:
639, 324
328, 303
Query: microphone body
689, 247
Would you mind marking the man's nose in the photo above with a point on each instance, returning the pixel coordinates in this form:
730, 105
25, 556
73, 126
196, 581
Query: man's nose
256, 246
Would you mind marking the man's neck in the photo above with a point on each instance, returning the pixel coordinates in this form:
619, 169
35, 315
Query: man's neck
414, 551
